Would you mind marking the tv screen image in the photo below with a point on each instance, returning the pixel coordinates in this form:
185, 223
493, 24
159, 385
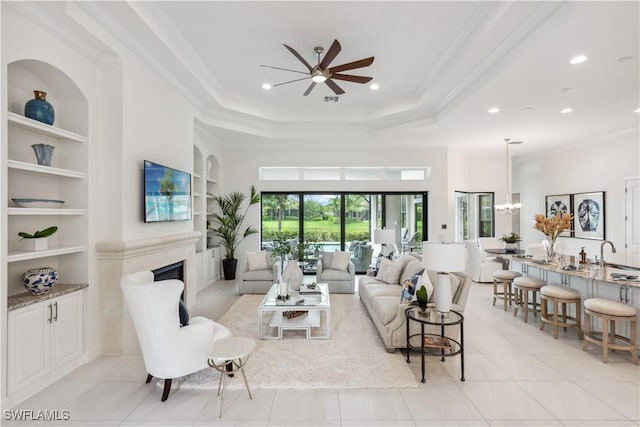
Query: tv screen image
167, 193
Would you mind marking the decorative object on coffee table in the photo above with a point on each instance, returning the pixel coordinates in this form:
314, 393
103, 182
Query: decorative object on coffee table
443, 258
292, 275
39, 280
43, 152
39, 108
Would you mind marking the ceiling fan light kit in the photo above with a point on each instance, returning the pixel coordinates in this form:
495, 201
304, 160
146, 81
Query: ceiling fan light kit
322, 73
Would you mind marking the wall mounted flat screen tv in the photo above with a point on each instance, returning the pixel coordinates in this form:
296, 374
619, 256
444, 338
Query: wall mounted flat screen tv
167, 193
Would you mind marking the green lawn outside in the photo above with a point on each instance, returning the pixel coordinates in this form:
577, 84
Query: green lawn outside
323, 231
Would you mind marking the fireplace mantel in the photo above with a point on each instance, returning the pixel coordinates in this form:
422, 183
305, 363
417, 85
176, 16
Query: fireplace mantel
117, 258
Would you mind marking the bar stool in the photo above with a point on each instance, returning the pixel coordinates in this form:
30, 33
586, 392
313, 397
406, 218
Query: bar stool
521, 287
610, 311
503, 277
559, 295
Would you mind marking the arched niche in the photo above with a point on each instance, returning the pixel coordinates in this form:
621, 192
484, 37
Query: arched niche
70, 105
213, 168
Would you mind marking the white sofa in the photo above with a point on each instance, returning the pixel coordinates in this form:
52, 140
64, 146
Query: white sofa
382, 302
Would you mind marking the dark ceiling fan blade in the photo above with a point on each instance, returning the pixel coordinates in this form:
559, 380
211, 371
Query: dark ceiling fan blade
300, 58
352, 65
291, 81
309, 89
350, 78
334, 87
284, 69
333, 51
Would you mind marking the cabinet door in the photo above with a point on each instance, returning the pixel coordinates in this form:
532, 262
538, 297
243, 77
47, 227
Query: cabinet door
215, 263
67, 330
209, 267
28, 344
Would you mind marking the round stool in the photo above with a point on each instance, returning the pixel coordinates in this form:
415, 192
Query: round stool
521, 287
610, 311
503, 277
559, 295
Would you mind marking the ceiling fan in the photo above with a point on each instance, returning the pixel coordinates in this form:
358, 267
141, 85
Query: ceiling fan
323, 73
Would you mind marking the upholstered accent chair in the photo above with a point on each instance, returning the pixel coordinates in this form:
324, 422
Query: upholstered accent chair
362, 256
259, 271
337, 269
480, 267
169, 350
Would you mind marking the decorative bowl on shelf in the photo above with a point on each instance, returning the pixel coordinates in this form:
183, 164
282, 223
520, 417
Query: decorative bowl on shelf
39, 203
40, 280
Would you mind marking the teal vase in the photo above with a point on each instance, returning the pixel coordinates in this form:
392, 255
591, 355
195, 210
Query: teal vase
39, 109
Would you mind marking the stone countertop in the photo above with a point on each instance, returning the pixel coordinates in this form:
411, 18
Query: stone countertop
594, 272
25, 299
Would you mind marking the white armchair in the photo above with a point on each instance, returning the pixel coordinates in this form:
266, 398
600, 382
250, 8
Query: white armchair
258, 277
340, 280
169, 351
480, 268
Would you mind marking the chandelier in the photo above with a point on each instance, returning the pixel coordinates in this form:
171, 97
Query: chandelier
509, 208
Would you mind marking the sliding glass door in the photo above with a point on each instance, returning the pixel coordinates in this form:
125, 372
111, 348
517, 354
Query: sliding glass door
342, 221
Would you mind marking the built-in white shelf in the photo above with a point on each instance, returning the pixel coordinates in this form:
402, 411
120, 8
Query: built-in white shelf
196, 213
196, 194
212, 180
44, 129
44, 211
32, 167
197, 175
56, 251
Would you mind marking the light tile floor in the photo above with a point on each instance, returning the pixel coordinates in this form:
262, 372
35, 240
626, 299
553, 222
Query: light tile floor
516, 375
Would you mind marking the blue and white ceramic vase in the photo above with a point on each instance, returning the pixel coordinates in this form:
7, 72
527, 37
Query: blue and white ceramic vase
39, 109
40, 280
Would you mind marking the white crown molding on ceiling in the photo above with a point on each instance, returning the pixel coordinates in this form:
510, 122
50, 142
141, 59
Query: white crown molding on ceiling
202, 88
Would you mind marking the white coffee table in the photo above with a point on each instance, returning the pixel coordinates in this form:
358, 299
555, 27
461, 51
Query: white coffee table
313, 320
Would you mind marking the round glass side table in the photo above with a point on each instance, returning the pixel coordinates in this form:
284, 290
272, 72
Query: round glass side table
432, 340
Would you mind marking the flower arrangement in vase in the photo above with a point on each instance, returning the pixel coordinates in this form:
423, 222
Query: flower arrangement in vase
552, 227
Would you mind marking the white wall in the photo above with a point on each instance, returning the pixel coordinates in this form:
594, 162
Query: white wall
599, 166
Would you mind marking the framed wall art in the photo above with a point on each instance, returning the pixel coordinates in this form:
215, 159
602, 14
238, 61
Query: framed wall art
557, 204
589, 215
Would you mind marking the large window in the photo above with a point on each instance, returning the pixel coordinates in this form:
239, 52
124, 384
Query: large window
341, 221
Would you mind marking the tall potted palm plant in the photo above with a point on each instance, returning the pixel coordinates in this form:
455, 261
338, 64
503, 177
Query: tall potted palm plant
228, 222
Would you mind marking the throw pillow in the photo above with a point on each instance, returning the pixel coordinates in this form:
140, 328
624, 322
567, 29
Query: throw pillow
410, 285
326, 259
184, 314
340, 260
257, 260
389, 271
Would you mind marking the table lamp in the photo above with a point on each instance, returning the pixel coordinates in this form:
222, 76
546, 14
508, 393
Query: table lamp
443, 258
387, 238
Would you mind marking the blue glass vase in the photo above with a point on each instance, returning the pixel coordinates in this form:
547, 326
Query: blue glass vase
39, 109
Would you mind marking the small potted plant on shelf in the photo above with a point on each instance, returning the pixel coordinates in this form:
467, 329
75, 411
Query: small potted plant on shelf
36, 241
510, 242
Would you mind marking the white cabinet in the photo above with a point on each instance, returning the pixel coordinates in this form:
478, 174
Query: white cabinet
211, 265
43, 338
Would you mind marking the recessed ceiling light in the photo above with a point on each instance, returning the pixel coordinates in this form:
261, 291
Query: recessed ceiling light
566, 110
493, 110
374, 86
266, 86
528, 108
625, 58
578, 59
637, 110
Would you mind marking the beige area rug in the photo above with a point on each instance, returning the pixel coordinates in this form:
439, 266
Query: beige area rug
354, 357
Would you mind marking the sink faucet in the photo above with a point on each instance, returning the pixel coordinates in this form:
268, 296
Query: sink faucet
613, 251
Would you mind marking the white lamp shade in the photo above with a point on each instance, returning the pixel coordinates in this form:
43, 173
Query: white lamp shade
443, 256
386, 235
